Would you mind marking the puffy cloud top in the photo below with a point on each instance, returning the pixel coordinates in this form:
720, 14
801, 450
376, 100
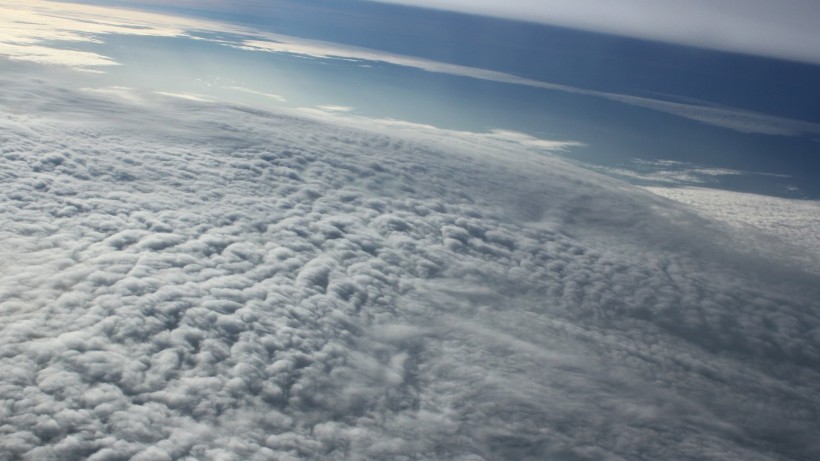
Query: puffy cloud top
187, 280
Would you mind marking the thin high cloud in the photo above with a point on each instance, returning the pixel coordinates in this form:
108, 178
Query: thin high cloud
782, 29
28, 32
740, 120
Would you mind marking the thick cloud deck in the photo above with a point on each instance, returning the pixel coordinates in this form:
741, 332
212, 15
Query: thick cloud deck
273, 288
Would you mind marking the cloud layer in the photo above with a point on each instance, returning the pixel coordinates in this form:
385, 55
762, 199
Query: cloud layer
187, 280
786, 225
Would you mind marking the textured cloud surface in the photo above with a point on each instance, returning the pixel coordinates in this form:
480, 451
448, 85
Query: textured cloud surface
188, 280
790, 223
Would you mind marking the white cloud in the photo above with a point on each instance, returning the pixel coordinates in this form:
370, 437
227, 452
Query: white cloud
744, 121
788, 224
466, 139
332, 108
740, 120
189, 280
778, 29
28, 30
275, 97
188, 96
671, 173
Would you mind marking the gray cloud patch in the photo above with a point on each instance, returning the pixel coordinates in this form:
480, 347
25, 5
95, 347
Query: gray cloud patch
271, 287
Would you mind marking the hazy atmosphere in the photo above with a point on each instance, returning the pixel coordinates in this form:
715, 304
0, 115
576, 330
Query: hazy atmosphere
434, 230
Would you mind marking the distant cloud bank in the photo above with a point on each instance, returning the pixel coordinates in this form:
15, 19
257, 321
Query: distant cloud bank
192, 280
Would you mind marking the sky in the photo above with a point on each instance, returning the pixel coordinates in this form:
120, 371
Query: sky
549, 82
775, 29
352, 230
193, 280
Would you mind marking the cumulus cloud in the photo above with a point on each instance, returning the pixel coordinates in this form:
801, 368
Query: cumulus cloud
189, 280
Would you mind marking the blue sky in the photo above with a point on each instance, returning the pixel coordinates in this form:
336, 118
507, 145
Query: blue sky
587, 59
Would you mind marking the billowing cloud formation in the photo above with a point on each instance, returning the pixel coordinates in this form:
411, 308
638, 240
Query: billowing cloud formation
186, 280
44, 32
778, 29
